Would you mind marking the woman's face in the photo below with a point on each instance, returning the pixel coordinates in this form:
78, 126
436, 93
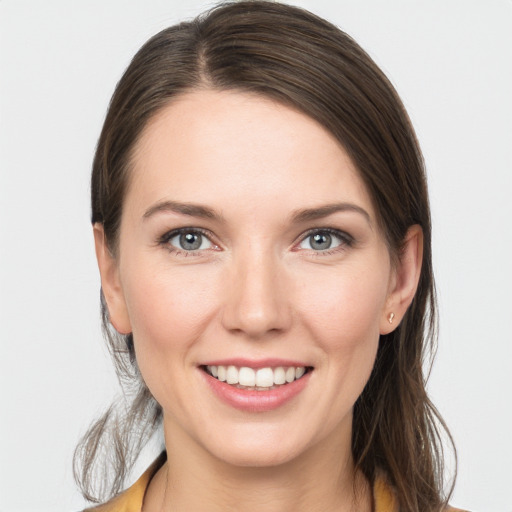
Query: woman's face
249, 244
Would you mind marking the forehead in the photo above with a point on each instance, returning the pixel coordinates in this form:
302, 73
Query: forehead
225, 148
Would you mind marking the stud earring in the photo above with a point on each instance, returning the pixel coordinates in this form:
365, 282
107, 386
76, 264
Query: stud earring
391, 317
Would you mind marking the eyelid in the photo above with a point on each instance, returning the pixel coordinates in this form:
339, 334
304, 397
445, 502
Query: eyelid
345, 238
169, 235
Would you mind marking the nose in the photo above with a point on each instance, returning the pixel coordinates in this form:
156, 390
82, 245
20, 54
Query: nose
257, 301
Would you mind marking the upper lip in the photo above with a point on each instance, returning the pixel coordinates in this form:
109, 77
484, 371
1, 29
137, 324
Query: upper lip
255, 363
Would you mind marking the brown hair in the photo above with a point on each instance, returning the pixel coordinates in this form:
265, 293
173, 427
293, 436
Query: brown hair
300, 60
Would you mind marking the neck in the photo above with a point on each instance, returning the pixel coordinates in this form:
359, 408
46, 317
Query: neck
323, 479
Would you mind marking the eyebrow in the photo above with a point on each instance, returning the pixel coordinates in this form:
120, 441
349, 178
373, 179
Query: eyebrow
310, 214
299, 216
190, 209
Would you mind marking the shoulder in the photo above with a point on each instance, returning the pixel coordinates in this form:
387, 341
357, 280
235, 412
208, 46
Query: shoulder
132, 498
124, 502
384, 497
385, 500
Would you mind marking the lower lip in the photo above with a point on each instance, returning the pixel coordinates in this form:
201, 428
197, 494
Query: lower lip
256, 401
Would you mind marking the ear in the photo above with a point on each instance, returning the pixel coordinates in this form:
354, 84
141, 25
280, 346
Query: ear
110, 283
404, 280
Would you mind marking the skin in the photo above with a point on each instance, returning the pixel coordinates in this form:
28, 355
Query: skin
256, 289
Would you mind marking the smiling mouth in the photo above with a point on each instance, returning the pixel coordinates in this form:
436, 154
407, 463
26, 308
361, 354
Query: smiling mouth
261, 379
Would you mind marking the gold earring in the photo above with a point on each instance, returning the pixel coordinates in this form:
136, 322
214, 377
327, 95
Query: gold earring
391, 316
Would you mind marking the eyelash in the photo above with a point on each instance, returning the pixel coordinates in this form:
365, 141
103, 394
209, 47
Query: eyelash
164, 241
345, 239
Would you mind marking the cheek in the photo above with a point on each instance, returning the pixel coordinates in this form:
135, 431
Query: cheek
343, 318
344, 310
168, 310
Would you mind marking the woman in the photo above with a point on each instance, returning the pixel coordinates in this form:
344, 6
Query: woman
262, 231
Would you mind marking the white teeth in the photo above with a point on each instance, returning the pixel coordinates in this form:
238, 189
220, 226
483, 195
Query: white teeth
299, 372
247, 377
279, 375
221, 373
232, 375
259, 378
264, 377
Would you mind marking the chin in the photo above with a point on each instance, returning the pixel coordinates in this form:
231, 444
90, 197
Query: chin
255, 457
264, 448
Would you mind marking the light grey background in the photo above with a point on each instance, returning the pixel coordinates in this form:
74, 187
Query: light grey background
59, 62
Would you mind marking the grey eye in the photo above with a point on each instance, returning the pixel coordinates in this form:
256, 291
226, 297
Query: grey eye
190, 241
321, 241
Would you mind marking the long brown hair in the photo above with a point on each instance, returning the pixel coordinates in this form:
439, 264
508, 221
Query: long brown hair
300, 60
